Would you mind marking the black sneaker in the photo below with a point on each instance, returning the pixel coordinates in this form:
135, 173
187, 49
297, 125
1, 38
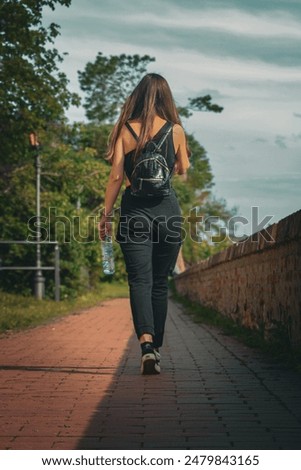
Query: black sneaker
150, 362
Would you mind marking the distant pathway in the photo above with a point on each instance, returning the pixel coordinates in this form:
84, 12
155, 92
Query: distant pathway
75, 384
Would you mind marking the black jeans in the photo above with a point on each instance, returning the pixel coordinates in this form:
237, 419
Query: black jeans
149, 234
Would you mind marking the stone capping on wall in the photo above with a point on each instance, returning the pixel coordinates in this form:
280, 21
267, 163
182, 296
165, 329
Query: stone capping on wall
284, 231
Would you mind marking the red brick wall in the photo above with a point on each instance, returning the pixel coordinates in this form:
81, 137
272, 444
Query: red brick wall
256, 283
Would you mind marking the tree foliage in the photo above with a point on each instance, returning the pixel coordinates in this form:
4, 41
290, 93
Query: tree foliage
108, 81
200, 103
73, 181
33, 90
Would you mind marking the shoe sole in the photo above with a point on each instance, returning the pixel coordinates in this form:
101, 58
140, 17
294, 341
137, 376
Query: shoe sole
158, 357
149, 365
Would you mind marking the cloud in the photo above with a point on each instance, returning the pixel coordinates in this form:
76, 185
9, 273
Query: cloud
289, 141
296, 137
230, 147
273, 37
297, 115
195, 63
260, 140
232, 21
230, 68
235, 21
280, 141
254, 6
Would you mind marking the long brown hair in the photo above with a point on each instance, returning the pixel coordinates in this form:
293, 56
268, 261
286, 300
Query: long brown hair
152, 96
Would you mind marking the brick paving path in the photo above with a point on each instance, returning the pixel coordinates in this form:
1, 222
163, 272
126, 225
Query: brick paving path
75, 384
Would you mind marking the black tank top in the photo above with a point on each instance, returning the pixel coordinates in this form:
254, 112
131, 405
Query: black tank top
167, 149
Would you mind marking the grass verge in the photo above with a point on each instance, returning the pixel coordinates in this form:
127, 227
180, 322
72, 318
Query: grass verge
278, 350
18, 312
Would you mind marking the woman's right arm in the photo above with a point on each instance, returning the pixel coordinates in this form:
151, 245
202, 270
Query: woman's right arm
182, 160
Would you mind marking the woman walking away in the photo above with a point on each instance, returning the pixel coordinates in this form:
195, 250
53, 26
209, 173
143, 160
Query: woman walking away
147, 146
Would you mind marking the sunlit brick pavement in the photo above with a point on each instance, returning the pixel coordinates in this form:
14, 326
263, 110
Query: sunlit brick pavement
75, 384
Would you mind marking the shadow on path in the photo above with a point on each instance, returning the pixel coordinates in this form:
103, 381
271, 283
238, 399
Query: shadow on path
213, 393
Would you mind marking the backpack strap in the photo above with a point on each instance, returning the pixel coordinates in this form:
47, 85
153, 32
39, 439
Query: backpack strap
165, 135
163, 138
131, 131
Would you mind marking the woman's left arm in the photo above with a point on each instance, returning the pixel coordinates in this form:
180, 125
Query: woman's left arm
113, 187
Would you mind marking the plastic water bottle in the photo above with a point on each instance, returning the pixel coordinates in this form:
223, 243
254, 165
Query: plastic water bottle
108, 264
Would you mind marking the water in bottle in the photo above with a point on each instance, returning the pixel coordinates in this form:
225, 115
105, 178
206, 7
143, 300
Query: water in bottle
108, 264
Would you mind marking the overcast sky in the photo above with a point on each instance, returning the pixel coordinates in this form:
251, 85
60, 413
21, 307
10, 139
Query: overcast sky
245, 53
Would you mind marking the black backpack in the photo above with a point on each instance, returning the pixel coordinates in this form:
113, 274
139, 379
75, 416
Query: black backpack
151, 176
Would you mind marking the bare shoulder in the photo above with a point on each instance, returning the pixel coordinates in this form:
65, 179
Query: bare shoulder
179, 135
178, 129
178, 132
127, 139
123, 131
124, 134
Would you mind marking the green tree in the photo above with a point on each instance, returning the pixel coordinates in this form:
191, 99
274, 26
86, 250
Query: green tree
33, 96
73, 180
33, 91
108, 81
200, 103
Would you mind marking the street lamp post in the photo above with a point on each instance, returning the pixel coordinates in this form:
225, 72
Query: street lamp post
39, 280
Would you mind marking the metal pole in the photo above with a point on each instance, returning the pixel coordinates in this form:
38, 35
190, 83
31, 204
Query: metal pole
57, 272
39, 280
